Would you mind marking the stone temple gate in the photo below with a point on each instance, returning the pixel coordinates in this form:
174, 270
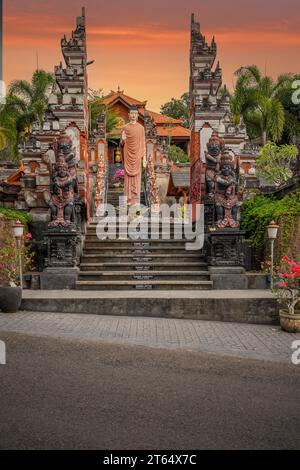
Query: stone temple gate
65, 174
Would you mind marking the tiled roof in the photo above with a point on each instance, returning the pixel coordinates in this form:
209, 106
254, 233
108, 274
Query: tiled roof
113, 96
158, 118
173, 131
162, 119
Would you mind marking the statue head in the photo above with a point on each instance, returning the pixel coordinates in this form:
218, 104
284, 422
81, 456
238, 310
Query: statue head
64, 143
228, 158
215, 144
61, 166
226, 170
133, 114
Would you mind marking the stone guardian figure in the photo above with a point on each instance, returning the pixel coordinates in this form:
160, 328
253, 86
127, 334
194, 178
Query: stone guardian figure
62, 189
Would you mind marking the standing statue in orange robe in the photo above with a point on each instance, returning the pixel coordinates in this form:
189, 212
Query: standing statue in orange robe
134, 155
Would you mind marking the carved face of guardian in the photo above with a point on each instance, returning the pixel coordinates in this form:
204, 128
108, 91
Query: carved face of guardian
62, 171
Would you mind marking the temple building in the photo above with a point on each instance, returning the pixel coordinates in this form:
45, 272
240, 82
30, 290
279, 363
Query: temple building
166, 130
65, 175
210, 105
65, 121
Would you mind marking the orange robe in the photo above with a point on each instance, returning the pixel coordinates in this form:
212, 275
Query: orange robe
134, 151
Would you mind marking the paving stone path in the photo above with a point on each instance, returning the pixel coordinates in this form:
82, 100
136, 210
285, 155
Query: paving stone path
239, 340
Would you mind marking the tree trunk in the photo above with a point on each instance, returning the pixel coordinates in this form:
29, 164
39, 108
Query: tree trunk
264, 138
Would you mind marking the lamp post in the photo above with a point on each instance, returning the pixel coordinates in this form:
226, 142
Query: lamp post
272, 235
18, 232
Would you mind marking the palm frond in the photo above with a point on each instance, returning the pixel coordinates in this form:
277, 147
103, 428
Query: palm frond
22, 89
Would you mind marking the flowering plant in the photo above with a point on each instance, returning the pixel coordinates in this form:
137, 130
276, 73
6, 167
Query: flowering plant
118, 178
119, 175
287, 284
9, 256
266, 267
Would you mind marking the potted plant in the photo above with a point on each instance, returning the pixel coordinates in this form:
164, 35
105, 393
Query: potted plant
287, 290
10, 291
118, 179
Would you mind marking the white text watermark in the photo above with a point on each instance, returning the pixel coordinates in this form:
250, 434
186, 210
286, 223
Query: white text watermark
296, 354
2, 353
161, 222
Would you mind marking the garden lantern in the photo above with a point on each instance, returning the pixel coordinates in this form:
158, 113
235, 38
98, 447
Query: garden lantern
272, 235
18, 228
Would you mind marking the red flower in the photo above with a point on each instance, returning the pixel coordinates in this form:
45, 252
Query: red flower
283, 284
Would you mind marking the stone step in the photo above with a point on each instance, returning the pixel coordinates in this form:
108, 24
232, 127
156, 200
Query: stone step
129, 242
183, 266
144, 285
94, 223
147, 276
245, 306
139, 258
144, 236
97, 248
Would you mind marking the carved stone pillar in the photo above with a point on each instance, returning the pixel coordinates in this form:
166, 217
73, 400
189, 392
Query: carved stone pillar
61, 258
226, 259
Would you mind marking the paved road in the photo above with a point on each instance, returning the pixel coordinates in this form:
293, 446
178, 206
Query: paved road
234, 339
67, 394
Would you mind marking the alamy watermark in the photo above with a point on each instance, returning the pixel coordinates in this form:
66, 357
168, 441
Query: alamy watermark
296, 94
2, 353
2, 92
161, 222
296, 354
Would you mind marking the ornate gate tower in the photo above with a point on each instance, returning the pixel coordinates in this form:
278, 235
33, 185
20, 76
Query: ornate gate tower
215, 163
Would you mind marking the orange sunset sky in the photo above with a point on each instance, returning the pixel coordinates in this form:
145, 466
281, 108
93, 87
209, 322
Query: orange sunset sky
143, 46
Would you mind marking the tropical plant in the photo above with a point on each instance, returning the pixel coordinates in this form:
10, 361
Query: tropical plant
9, 257
266, 267
256, 214
25, 103
276, 163
96, 107
178, 109
177, 155
3, 138
287, 285
13, 214
292, 111
8, 135
31, 97
258, 99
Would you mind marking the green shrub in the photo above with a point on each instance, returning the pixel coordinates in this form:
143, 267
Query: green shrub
15, 214
258, 212
177, 155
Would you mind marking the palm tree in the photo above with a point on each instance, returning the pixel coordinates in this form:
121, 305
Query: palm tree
8, 134
2, 138
32, 96
257, 100
96, 107
26, 102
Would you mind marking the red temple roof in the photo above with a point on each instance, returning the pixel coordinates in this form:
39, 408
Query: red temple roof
114, 96
173, 131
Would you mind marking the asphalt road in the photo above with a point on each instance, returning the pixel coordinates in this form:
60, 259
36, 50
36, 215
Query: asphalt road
61, 394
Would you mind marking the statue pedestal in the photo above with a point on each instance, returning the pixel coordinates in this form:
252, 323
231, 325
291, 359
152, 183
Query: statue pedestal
59, 278
62, 258
226, 259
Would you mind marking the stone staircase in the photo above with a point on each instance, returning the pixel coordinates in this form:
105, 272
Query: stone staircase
143, 264
140, 264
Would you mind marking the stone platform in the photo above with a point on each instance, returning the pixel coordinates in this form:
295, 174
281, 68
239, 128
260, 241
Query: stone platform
254, 306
